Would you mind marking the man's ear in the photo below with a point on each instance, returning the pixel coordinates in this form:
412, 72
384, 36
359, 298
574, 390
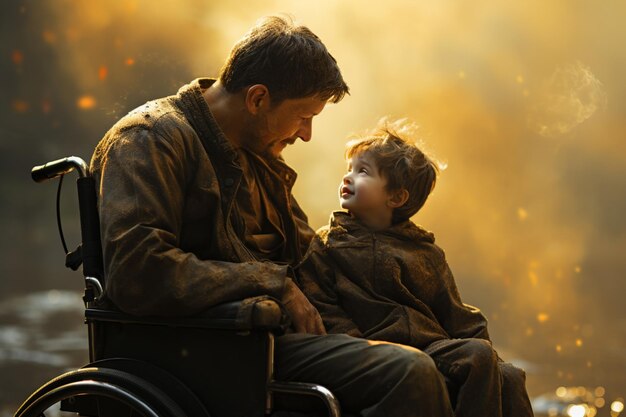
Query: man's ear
257, 96
397, 198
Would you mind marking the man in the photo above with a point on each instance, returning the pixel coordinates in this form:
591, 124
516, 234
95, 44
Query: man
196, 209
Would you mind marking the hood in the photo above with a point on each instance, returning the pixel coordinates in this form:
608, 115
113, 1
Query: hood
342, 223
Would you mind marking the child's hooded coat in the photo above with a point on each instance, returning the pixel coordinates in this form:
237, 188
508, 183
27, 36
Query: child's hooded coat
393, 285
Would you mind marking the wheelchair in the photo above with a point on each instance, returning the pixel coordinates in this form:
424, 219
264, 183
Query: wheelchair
218, 364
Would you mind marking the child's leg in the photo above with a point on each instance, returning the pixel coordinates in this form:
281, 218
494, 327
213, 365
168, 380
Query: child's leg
515, 401
472, 366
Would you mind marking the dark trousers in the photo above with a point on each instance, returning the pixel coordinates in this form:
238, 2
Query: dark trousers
370, 379
480, 384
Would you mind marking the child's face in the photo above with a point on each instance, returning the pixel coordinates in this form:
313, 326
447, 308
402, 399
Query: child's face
362, 190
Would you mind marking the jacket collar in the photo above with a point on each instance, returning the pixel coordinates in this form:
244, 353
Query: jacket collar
342, 223
220, 151
200, 117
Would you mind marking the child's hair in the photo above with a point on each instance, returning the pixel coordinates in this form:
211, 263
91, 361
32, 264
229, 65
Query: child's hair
401, 163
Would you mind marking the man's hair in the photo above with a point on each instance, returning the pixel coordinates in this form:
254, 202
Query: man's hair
291, 61
402, 164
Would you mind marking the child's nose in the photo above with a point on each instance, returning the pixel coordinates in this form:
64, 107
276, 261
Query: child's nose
347, 179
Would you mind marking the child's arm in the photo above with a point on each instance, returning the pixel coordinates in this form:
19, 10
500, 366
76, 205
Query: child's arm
316, 277
459, 320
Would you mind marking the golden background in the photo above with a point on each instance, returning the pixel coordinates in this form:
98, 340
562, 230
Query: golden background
523, 102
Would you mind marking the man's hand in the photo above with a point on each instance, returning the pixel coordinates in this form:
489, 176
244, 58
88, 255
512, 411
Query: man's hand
304, 316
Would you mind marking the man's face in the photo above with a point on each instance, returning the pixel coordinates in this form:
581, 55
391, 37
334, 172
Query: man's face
362, 189
281, 125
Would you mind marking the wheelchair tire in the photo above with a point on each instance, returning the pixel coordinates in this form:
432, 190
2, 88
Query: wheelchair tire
163, 380
125, 390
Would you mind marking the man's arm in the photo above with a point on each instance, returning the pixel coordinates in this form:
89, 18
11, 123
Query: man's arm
143, 177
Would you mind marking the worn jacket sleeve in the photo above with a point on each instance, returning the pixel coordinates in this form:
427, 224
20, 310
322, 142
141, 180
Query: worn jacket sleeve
316, 277
143, 175
459, 320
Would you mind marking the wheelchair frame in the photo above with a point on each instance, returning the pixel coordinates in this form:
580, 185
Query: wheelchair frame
218, 364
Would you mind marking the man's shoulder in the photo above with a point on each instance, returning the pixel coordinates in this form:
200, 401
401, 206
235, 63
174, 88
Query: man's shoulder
157, 115
158, 119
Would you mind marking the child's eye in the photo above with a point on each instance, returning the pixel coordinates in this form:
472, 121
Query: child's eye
363, 171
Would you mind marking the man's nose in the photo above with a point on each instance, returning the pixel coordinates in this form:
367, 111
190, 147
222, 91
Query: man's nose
306, 130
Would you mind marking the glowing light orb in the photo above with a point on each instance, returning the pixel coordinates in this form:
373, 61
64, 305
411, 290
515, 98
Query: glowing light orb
577, 410
543, 317
86, 102
20, 106
102, 73
17, 57
522, 214
617, 406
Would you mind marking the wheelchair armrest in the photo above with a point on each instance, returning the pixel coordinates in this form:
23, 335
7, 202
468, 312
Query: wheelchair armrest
256, 313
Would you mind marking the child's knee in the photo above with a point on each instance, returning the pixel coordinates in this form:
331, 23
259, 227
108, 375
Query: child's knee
481, 353
512, 375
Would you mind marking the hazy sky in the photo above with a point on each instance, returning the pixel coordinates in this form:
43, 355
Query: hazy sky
524, 103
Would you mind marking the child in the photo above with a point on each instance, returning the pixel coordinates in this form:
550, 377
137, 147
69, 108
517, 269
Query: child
373, 273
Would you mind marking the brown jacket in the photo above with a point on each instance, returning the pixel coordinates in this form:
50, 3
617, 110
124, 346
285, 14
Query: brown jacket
172, 241
392, 285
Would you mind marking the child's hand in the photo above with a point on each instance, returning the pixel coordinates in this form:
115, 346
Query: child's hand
304, 316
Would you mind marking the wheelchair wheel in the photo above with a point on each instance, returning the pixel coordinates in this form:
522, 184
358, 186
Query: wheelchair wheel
180, 393
99, 392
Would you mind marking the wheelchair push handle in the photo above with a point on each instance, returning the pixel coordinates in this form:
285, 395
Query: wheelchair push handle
59, 167
89, 252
